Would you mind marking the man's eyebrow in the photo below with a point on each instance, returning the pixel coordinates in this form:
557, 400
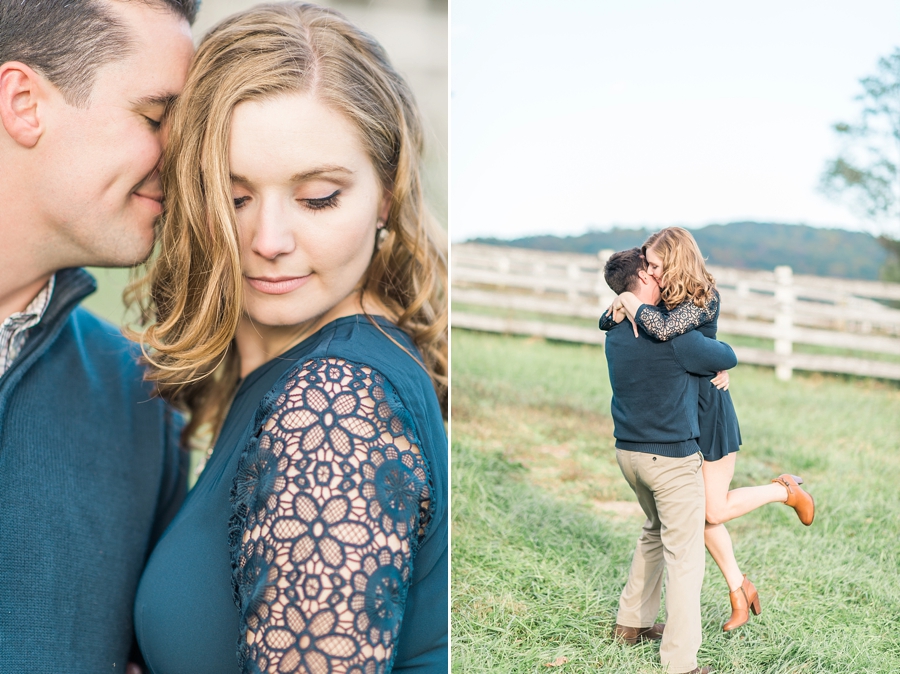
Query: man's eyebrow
317, 172
164, 100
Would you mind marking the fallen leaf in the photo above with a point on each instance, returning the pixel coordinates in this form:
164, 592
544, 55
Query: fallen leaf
556, 663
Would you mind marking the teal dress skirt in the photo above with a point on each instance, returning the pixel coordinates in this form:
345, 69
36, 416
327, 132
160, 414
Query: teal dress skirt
316, 535
720, 433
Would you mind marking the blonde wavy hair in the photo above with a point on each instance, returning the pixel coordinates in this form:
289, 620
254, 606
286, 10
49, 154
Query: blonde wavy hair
190, 296
684, 274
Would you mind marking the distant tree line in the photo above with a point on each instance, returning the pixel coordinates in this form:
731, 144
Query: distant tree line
745, 245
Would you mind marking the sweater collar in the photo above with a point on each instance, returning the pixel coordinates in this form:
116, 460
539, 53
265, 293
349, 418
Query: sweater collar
70, 287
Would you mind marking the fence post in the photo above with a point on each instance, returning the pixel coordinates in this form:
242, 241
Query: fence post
784, 321
605, 295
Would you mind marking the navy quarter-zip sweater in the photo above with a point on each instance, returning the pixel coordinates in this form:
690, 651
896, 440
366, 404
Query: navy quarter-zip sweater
654, 403
90, 475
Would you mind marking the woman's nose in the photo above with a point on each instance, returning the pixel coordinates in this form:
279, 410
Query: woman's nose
273, 235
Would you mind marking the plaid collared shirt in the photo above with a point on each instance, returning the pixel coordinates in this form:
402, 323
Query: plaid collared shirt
14, 330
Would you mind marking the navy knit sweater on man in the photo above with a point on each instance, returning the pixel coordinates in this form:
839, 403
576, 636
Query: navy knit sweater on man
90, 475
654, 404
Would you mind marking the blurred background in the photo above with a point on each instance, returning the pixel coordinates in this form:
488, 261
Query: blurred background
414, 33
770, 130
583, 116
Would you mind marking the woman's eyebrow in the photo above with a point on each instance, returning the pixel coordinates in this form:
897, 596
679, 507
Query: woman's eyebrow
317, 172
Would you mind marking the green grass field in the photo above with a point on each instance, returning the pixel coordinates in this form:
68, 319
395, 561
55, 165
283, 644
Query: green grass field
544, 525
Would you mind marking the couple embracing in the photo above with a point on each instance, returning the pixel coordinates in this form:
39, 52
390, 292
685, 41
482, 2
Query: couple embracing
294, 309
677, 437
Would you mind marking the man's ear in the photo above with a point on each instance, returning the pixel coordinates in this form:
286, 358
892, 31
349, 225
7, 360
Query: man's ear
21, 91
644, 277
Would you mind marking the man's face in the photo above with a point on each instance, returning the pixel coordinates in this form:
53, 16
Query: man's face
648, 289
101, 189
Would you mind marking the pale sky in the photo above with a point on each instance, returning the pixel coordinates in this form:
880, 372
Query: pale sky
578, 114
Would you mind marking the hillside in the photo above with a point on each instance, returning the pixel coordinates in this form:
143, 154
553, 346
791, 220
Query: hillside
746, 245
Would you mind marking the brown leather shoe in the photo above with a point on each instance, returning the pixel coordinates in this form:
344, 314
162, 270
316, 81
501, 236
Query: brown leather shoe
799, 500
743, 600
633, 635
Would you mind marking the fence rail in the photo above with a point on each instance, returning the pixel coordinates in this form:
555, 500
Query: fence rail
778, 305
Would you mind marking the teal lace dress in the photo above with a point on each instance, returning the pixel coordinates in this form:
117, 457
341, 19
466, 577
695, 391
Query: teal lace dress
315, 540
720, 433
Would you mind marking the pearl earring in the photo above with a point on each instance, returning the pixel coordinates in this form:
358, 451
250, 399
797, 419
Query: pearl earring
380, 235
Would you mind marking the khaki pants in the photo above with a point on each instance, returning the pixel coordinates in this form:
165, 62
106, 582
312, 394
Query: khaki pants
671, 495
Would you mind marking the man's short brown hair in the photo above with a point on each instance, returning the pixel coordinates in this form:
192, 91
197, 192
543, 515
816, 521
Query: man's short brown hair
67, 40
621, 270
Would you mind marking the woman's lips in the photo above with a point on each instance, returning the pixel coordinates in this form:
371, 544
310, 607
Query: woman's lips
277, 285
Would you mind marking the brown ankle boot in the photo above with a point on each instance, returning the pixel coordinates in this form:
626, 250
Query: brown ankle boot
743, 600
799, 500
634, 635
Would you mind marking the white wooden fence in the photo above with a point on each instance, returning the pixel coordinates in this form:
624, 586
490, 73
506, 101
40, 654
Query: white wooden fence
778, 305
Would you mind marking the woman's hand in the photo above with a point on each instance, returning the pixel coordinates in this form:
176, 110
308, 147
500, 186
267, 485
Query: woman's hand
721, 380
617, 312
629, 304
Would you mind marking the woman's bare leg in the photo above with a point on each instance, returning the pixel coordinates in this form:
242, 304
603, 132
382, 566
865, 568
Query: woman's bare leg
723, 505
718, 542
717, 478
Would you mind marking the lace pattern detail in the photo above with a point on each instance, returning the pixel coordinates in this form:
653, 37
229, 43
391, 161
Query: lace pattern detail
329, 504
685, 317
606, 321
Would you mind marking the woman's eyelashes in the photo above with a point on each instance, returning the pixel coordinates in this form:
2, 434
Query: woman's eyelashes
323, 202
313, 204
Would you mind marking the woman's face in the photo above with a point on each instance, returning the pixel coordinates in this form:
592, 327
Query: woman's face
308, 200
654, 265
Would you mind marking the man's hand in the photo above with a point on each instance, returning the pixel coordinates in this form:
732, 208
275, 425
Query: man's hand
132, 668
721, 380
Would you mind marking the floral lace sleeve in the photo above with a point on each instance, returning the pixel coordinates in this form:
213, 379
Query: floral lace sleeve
606, 321
685, 317
330, 501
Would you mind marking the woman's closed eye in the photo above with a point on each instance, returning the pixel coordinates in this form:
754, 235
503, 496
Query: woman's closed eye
320, 203
312, 203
